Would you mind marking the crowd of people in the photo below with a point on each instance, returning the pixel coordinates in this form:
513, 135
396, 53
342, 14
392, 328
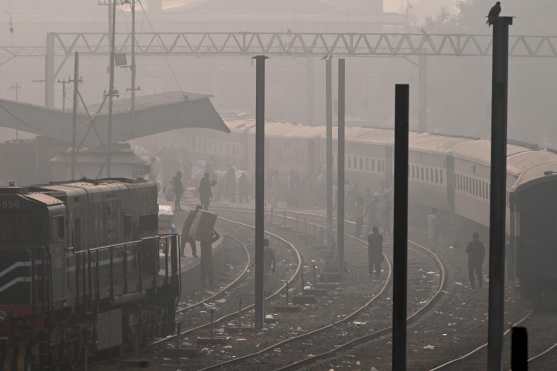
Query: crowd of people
371, 210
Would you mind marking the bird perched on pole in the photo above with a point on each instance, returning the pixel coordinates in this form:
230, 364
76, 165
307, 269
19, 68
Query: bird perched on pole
494, 13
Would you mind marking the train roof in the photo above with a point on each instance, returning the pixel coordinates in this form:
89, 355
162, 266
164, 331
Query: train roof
44, 199
523, 161
70, 188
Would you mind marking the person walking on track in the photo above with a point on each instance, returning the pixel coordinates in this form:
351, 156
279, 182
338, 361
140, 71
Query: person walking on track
205, 192
375, 252
476, 255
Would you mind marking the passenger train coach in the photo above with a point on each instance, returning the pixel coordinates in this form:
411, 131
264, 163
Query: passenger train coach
449, 174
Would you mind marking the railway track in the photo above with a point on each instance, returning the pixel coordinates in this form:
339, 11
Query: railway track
234, 313
222, 291
541, 344
303, 345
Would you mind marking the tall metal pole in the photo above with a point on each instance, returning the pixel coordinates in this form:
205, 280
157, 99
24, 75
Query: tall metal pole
133, 66
310, 84
341, 164
329, 144
400, 227
500, 77
259, 187
74, 112
111, 93
422, 95
49, 70
16, 87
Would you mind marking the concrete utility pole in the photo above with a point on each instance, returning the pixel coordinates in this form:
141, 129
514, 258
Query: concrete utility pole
16, 88
111, 91
400, 227
64, 83
259, 188
74, 113
329, 144
498, 192
133, 66
341, 163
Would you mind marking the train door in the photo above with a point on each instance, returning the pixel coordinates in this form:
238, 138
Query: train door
57, 252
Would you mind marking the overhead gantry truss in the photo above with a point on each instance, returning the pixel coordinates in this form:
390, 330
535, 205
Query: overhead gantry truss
304, 44
61, 46
9, 53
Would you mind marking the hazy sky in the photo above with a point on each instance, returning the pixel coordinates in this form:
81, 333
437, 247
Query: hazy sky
420, 8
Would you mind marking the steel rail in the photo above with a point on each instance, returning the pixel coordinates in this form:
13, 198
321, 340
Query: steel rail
229, 286
321, 329
276, 293
429, 303
479, 348
379, 333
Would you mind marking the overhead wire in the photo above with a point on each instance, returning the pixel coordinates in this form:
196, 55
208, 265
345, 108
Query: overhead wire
171, 69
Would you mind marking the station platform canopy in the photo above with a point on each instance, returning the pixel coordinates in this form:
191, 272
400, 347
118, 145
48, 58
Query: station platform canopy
153, 114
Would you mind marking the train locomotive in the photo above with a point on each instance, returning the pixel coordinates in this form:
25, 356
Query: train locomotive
83, 272
448, 174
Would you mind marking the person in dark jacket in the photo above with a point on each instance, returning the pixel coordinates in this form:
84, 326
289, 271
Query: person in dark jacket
178, 191
375, 251
205, 192
476, 255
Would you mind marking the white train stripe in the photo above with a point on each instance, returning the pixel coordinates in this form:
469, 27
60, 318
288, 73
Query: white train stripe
14, 266
15, 281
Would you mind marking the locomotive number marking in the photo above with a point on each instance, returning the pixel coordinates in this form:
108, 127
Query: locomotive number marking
9, 204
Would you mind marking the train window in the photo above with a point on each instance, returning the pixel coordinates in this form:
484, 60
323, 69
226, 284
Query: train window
469, 185
422, 173
367, 164
436, 176
361, 163
441, 177
373, 165
60, 229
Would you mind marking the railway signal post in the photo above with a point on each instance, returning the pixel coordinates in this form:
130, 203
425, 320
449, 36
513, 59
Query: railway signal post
340, 163
498, 191
400, 227
259, 188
